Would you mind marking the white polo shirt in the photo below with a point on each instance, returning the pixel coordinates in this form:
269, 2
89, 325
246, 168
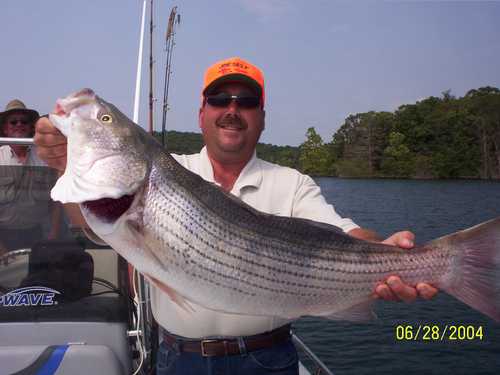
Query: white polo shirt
268, 188
8, 157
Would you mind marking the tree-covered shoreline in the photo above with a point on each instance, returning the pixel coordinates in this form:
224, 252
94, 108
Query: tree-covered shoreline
436, 138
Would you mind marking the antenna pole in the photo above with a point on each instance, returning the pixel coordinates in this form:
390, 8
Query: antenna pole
151, 69
139, 68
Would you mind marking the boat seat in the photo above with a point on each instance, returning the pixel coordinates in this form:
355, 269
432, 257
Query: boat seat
60, 293
92, 347
75, 359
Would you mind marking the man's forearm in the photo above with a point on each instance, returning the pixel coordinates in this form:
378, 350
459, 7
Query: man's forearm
55, 219
75, 215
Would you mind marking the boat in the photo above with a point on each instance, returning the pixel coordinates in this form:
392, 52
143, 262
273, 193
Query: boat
67, 304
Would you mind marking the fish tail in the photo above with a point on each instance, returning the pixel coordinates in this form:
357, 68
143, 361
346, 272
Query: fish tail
474, 277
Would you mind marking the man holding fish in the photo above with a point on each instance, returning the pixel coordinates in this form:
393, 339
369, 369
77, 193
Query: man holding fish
196, 339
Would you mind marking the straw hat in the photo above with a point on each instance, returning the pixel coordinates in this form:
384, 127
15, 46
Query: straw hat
17, 106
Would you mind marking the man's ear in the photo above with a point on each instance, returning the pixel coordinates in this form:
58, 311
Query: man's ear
200, 115
263, 119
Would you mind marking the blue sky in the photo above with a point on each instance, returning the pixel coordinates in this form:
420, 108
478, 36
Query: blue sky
323, 60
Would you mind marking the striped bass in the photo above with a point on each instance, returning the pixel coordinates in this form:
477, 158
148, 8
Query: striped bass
206, 246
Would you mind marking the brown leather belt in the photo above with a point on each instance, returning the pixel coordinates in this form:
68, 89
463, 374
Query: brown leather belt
233, 346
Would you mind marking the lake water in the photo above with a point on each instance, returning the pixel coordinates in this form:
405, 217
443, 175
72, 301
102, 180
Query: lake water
430, 209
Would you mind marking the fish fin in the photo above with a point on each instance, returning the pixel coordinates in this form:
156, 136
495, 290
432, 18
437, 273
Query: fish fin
475, 277
362, 312
61, 191
70, 189
174, 296
179, 300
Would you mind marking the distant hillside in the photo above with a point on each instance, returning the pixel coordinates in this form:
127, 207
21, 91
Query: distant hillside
182, 142
190, 143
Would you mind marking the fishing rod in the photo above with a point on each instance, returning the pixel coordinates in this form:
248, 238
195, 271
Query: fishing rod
173, 20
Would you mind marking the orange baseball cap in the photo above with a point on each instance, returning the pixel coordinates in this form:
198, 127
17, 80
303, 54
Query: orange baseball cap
234, 69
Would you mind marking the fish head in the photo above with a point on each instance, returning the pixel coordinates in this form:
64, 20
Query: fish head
107, 158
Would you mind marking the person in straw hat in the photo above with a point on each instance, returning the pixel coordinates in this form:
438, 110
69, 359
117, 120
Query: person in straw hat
17, 121
25, 203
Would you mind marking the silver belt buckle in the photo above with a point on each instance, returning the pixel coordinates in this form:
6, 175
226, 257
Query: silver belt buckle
202, 343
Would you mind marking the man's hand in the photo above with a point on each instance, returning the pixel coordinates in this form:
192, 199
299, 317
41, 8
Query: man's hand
52, 147
51, 144
394, 289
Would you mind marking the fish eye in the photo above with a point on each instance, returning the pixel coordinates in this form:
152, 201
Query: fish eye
106, 119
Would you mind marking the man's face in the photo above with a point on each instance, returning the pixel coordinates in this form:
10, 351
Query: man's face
231, 132
18, 125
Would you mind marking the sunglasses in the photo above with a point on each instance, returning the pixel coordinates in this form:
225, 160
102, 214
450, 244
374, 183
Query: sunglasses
223, 100
19, 121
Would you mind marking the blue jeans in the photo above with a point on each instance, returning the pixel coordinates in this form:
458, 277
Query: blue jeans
280, 359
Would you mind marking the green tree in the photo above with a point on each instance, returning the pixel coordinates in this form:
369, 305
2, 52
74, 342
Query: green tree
315, 158
287, 156
437, 132
484, 106
453, 151
412, 121
398, 161
360, 142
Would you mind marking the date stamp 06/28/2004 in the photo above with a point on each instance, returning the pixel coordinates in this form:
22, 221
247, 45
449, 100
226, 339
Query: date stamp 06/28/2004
436, 332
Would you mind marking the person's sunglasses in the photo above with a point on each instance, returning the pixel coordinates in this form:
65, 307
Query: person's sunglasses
223, 100
19, 121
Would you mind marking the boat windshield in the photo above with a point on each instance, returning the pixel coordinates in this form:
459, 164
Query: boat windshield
45, 264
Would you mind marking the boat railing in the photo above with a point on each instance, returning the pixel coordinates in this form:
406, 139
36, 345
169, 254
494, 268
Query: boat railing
14, 253
319, 367
16, 141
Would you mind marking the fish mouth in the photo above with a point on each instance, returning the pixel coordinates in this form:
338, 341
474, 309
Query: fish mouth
66, 105
109, 209
81, 102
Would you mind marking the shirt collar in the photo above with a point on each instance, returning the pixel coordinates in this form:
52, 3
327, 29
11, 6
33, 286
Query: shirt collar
250, 176
206, 170
15, 157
